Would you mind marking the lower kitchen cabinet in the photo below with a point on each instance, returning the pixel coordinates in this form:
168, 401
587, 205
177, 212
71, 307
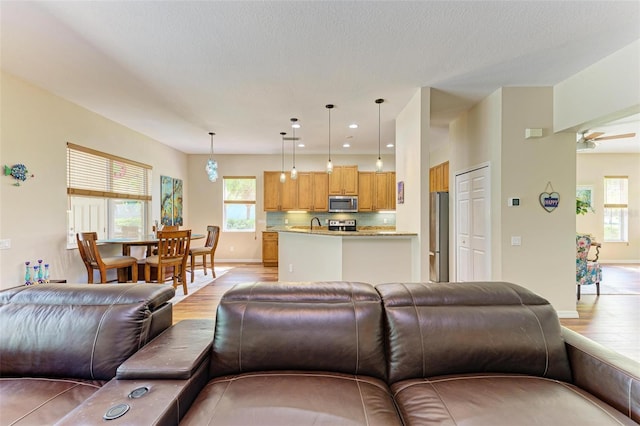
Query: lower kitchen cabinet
269, 248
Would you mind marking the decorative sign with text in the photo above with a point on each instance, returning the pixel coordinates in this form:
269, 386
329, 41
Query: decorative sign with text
549, 199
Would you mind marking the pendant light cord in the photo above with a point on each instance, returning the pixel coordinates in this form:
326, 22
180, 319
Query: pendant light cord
211, 152
379, 129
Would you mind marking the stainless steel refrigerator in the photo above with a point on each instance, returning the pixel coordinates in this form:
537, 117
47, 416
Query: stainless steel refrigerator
439, 237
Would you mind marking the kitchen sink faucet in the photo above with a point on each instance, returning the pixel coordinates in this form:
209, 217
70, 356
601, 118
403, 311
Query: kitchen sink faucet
315, 218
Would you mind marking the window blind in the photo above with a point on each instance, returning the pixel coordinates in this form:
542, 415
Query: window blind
97, 174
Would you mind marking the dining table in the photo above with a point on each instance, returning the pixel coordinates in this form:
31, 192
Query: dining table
149, 241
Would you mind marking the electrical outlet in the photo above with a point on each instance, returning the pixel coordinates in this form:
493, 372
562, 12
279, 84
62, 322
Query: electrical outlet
516, 240
291, 267
231, 248
286, 221
384, 220
5, 244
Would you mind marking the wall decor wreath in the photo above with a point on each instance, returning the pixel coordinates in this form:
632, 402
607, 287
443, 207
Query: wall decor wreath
19, 172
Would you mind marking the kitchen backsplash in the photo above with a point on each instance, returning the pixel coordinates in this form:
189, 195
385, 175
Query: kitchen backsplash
303, 219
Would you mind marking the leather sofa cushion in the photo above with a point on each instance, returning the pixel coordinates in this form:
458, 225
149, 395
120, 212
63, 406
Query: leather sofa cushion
437, 329
63, 330
320, 326
490, 400
293, 398
71, 294
33, 401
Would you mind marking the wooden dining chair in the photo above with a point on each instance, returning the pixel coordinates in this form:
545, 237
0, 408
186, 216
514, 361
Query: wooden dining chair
209, 249
93, 260
173, 249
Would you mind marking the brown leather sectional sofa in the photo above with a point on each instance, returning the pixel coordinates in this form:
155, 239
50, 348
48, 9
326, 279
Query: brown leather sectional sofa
60, 343
339, 353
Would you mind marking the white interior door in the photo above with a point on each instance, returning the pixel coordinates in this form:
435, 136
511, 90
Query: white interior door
473, 225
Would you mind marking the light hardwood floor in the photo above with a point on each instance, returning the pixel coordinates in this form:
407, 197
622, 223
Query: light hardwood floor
612, 320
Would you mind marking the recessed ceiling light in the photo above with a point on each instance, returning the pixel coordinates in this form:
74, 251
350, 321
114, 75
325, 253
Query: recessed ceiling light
389, 145
346, 145
353, 126
300, 145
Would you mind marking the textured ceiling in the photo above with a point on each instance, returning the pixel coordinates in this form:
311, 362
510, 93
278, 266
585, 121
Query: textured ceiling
175, 70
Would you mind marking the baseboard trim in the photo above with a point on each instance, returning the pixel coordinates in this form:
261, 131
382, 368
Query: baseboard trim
619, 262
568, 314
238, 260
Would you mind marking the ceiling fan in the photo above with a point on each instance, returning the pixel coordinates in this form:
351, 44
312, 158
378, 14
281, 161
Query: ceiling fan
588, 141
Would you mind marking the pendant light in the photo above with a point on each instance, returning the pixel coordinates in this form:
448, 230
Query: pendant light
294, 125
212, 165
329, 163
283, 176
379, 161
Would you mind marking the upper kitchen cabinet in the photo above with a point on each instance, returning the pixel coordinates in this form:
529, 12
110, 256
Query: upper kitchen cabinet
343, 180
439, 178
308, 192
272, 191
279, 196
313, 191
376, 191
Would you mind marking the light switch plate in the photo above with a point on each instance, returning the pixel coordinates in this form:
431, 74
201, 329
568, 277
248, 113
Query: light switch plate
516, 240
5, 244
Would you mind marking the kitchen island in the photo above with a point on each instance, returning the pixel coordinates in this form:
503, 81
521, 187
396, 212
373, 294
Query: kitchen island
372, 256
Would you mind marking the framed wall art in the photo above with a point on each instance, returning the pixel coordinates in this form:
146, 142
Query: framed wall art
171, 201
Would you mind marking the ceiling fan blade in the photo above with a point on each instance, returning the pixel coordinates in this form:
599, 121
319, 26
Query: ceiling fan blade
622, 136
593, 136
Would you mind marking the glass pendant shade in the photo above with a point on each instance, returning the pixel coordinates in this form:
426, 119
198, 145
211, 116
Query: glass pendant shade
212, 165
379, 165
294, 173
329, 167
212, 170
283, 177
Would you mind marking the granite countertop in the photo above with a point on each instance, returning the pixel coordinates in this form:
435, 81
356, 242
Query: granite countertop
363, 231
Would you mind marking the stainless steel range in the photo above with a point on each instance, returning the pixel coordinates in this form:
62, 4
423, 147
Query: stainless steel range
342, 225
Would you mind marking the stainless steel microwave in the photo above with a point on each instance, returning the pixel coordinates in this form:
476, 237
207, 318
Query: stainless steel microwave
343, 204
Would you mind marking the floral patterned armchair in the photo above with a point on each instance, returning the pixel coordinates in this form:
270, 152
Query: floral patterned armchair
587, 271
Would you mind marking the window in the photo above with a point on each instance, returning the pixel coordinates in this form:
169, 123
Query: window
616, 209
107, 194
239, 203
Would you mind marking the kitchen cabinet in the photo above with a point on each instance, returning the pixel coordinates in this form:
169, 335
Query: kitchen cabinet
365, 191
439, 178
272, 191
376, 191
313, 191
320, 184
279, 196
343, 180
310, 192
289, 194
270, 248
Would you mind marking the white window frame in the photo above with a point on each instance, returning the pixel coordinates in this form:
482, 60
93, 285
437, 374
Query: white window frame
621, 206
93, 191
226, 203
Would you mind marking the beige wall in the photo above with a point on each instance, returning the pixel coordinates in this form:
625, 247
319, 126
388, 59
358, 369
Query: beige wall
474, 141
493, 132
528, 165
36, 125
412, 168
606, 90
591, 170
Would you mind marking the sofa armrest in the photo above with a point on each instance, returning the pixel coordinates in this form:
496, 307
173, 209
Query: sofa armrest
174, 354
610, 376
165, 402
